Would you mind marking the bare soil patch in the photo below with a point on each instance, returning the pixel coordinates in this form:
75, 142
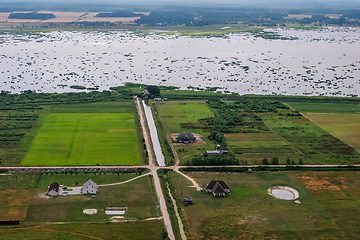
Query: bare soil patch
198, 140
318, 182
90, 211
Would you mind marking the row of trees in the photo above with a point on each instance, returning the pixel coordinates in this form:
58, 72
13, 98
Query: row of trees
275, 161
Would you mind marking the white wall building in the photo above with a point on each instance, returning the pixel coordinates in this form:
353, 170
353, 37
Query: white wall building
90, 187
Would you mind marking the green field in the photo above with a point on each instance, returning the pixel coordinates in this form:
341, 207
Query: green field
343, 126
325, 107
176, 117
329, 206
85, 139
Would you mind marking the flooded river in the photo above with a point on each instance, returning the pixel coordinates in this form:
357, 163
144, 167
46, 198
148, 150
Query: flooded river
315, 62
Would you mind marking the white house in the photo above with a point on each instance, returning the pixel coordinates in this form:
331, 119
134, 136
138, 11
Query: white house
89, 187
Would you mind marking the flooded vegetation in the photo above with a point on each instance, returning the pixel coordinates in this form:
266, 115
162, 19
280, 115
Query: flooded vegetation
276, 61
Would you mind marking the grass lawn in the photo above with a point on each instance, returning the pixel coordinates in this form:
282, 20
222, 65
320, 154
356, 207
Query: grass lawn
85, 139
329, 206
99, 107
343, 126
137, 195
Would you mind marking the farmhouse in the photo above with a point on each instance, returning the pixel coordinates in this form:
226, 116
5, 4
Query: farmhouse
217, 188
90, 187
53, 189
186, 137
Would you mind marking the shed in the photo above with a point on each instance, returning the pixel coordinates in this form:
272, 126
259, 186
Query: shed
90, 187
53, 189
188, 200
216, 152
186, 137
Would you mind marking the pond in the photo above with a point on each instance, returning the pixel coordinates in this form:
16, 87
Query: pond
283, 192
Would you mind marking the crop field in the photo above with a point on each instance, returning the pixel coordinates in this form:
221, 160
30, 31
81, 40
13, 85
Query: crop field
85, 139
343, 126
23, 198
316, 145
328, 210
325, 107
256, 141
100, 107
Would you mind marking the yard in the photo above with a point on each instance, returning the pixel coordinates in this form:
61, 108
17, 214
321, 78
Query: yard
329, 206
185, 116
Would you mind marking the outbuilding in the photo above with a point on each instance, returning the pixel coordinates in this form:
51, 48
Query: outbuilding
186, 137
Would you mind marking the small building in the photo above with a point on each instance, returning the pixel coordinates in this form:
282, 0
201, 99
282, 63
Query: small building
157, 99
188, 200
217, 188
90, 187
53, 189
186, 137
216, 152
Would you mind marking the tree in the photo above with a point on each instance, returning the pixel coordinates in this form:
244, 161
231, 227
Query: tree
301, 161
274, 160
265, 161
288, 160
153, 90
293, 162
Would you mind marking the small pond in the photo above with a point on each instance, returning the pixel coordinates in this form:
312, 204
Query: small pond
283, 192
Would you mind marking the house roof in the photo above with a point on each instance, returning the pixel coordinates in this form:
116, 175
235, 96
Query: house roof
186, 136
218, 188
90, 182
214, 185
54, 186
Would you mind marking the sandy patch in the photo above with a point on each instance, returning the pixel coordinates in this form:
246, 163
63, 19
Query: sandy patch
90, 211
154, 218
42, 195
198, 140
318, 183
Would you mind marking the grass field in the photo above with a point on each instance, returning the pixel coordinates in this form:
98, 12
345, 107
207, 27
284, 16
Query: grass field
329, 206
99, 107
137, 195
316, 145
85, 139
344, 126
22, 198
325, 107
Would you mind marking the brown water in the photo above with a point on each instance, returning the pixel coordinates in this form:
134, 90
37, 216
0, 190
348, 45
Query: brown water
319, 62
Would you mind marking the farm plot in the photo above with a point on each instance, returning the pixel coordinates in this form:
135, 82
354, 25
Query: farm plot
317, 145
185, 116
85, 139
328, 209
343, 126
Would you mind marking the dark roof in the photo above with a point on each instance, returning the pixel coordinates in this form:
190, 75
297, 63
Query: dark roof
186, 136
54, 186
218, 188
210, 185
223, 185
